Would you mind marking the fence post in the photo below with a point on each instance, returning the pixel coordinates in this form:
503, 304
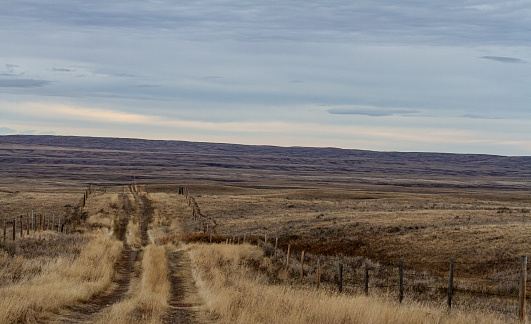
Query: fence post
302, 265
287, 256
366, 279
5, 229
401, 280
523, 281
318, 272
14, 228
340, 282
451, 283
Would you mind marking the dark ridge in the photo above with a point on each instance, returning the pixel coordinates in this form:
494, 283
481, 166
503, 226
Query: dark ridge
80, 160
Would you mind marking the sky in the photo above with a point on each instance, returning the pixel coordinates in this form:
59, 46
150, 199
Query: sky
416, 76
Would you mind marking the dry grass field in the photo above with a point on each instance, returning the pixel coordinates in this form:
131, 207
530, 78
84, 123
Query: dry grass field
137, 253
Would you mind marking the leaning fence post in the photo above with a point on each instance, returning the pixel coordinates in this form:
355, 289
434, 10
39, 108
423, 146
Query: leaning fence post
523, 281
287, 256
451, 283
401, 280
340, 281
366, 278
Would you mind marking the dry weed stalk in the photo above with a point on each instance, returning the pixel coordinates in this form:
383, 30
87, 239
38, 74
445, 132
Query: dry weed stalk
237, 294
61, 281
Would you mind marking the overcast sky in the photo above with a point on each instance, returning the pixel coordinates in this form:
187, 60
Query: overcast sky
431, 76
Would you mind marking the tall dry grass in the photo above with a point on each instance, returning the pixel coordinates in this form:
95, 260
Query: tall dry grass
235, 293
60, 281
149, 298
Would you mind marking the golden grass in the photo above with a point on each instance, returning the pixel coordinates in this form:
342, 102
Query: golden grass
237, 294
62, 281
149, 299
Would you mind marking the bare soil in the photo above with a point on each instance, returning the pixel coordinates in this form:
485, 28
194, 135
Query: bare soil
186, 306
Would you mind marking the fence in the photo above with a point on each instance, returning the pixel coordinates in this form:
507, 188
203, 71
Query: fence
406, 278
25, 225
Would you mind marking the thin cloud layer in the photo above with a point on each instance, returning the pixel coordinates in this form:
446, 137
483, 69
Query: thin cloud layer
503, 59
233, 71
23, 83
372, 111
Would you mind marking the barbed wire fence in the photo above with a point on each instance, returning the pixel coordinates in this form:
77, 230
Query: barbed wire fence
457, 283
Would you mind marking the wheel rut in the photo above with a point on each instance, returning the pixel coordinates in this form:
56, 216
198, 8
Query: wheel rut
124, 270
185, 303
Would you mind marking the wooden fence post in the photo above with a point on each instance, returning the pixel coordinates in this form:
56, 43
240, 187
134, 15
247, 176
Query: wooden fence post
340, 281
451, 283
302, 265
14, 228
523, 285
27, 225
22, 226
401, 280
287, 256
265, 239
318, 272
32, 220
366, 290
276, 245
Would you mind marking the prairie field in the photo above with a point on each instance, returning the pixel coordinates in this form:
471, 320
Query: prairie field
211, 236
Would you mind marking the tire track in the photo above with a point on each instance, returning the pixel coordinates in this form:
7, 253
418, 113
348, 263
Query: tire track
185, 303
124, 270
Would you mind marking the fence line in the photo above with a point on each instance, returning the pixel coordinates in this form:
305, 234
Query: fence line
36, 222
398, 276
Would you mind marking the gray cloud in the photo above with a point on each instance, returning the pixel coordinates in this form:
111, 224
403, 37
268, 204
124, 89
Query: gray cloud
447, 22
23, 83
61, 70
473, 116
7, 131
503, 59
10, 71
372, 112
220, 61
